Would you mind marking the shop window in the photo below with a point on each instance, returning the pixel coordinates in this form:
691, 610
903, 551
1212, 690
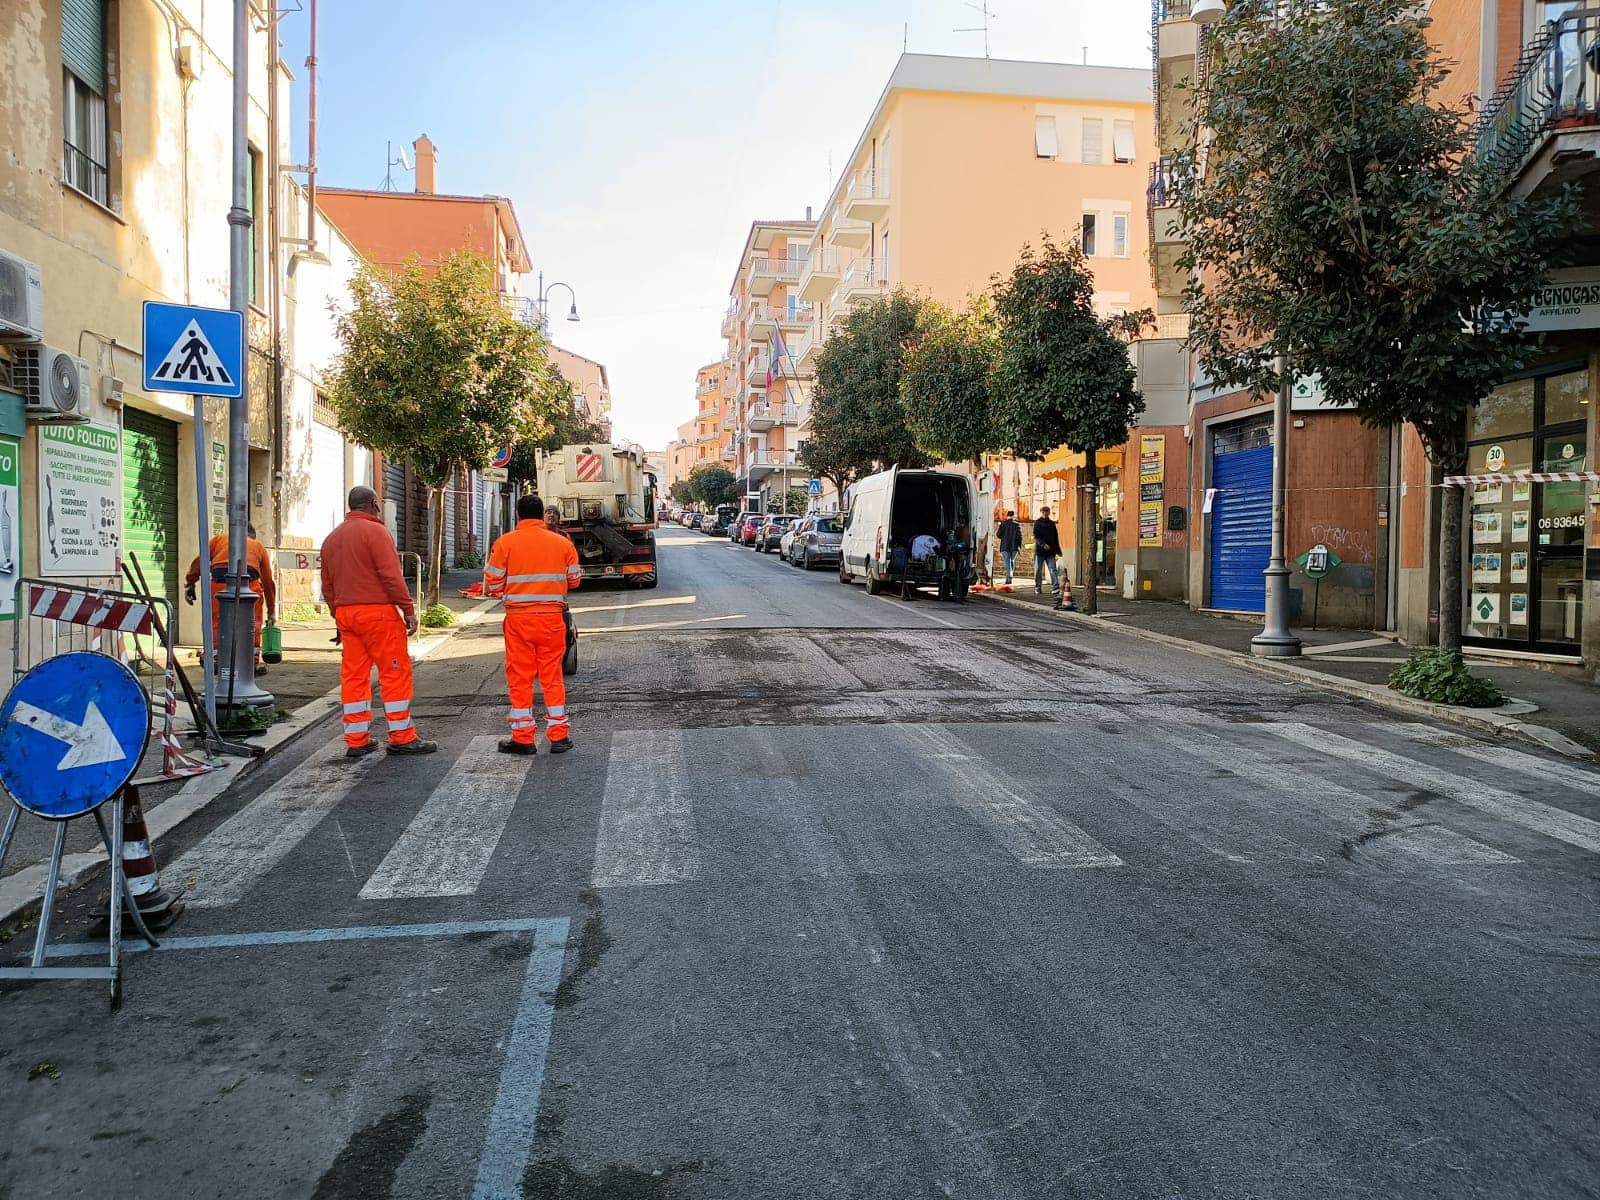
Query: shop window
1566, 398
1507, 409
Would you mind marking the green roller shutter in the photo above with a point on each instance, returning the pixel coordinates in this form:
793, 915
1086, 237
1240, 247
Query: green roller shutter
150, 499
83, 41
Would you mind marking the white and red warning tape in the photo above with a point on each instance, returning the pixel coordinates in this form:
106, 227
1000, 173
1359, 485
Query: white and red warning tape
1525, 477
85, 608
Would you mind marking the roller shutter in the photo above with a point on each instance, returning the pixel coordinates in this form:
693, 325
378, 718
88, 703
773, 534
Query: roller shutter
1240, 526
150, 499
83, 41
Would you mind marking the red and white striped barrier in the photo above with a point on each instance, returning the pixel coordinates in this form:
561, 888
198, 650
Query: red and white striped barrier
1525, 477
75, 607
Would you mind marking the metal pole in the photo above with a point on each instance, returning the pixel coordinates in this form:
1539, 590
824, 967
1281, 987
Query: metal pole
1275, 640
238, 602
202, 485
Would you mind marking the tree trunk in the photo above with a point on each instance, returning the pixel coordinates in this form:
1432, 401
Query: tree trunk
1452, 505
1086, 529
435, 542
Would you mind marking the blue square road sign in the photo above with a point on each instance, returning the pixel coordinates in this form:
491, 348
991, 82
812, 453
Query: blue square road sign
196, 351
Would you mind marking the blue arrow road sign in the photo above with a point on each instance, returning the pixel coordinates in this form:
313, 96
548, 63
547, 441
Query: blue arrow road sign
72, 732
196, 351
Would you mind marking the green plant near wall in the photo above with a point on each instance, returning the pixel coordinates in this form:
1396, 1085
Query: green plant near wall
470, 561
1440, 676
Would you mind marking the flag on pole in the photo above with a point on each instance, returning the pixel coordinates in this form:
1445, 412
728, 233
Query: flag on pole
775, 356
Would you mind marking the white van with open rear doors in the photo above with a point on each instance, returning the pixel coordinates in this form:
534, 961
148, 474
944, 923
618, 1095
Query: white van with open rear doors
911, 529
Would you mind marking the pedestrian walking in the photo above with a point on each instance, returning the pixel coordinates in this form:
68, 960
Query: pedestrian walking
1010, 534
365, 591
532, 569
1046, 549
258, 568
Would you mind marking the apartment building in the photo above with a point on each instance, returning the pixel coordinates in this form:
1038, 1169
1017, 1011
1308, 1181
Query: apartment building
680, 453
768, 393
591, 388
961, 163
117, 125
1531, 553
713, 444
391, 227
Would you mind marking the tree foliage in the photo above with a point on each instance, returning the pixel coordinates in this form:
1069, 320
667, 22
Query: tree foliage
434, 371
944, 381
1344, 223
565, 428
681, 492
1061, 374
713, 485
858, 423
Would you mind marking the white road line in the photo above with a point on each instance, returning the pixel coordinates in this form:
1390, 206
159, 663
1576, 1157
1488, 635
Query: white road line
647, 835
1294, 789
1033, 833
234, 857
1543, 819
447, 847
1587, 782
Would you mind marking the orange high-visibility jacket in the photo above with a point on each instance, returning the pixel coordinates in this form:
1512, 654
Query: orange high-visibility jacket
532, 568
257, 562
360, 565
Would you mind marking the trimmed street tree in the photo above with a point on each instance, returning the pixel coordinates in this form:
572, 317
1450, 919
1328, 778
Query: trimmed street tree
944, 389
434, 371
1062, 375
1342, 221
857, 420
681, 492
712, 485
564, 428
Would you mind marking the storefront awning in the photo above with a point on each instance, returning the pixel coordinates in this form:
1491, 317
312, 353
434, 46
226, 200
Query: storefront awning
1060, 461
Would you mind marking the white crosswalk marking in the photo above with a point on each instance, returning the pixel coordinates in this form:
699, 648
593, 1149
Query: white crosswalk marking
447, 847
1545, 819
235, 856
647, 834
1587, 782
1034, 833
1305, 789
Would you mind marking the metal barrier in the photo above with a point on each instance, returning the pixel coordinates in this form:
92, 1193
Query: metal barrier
54, 618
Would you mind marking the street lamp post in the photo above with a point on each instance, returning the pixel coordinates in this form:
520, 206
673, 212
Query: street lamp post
544, 301
1275, 639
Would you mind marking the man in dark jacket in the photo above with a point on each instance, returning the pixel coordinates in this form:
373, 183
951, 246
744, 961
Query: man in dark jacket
1046, 549
1010, 534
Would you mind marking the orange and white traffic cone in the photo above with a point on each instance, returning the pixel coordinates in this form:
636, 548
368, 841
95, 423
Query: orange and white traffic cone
158, 906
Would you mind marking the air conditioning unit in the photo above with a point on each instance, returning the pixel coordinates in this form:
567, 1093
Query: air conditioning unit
53, 383
21, 300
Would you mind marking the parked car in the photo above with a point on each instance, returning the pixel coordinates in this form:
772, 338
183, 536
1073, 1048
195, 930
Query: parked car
813, 541
736, 529
692, 520
749, 526
718, 524
889, 511
771, 530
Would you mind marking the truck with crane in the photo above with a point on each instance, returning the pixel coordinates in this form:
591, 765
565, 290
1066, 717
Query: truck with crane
606, 496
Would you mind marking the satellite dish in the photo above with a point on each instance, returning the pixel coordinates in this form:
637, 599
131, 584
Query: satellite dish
405, 159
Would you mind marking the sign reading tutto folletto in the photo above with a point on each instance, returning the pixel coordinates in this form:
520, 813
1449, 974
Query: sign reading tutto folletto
1568, 300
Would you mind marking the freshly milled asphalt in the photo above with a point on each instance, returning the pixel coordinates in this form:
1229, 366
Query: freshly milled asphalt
874, 900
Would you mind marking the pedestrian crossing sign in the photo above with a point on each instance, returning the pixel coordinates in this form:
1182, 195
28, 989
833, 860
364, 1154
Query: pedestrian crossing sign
196, 351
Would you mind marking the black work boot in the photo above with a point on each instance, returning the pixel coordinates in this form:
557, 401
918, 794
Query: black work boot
562, 746
414, 747
359, 751
512, 746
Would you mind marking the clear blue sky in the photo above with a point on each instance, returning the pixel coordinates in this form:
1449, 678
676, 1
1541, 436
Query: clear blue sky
638, 140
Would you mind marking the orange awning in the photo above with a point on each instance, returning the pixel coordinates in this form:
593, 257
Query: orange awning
1060, 461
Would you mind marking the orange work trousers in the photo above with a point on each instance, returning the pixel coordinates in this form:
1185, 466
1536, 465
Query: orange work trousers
259, 609
374, 635
535, 644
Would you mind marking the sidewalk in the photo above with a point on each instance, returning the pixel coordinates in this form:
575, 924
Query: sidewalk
1354, 661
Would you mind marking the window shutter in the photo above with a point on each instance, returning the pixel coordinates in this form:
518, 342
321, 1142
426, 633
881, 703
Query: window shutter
1122, 141
1093, 135
1044, 137
1119, 236
83, 41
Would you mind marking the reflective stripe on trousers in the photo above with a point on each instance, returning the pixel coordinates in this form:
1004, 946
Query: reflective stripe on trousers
536, 641
373, 635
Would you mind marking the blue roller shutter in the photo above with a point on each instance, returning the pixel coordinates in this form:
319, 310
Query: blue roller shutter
1240, 526
83, 41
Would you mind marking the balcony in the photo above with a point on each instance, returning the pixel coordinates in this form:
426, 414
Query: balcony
730, 418
755, 375
820, 274
866, 196
807, 350
861, 281
1176, 35
765, 416
763, 462
728, 454
766, 272
1542, 128
764, 319
730, 320
1166, 239
842, 231
709, 387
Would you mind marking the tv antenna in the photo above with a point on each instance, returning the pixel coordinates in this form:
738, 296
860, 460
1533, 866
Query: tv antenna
983, 10
391, 161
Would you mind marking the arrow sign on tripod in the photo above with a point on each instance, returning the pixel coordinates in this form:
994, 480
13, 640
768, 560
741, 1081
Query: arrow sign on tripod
88, 744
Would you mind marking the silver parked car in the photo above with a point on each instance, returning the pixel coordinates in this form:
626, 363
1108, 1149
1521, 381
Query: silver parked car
771, 529
813, 541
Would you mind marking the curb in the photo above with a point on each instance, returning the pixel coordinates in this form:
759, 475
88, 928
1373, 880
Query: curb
1372, 693
24, 889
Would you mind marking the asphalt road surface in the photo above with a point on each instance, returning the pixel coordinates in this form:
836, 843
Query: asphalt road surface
841, 896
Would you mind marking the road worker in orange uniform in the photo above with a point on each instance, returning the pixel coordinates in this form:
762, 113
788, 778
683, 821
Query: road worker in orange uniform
532, 569
258, 565
367, 595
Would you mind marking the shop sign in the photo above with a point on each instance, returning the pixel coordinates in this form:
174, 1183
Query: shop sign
1152, 486
1307, 394
1495, 458
1568, 300
80, 499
